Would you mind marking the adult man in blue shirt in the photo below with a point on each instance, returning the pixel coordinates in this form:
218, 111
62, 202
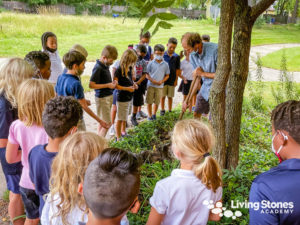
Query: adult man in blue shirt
202, 55
276, 192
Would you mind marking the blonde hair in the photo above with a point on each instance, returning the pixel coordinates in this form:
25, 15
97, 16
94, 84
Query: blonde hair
110, 51
128, 58
12, 73
79, 48
32, 96
193, 139
68, 169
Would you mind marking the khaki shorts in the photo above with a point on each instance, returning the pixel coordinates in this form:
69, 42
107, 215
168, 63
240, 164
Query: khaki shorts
168, 91
123, 110
81, 125
153, 95
103, 106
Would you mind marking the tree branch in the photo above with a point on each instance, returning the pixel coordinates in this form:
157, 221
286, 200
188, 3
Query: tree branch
259, 8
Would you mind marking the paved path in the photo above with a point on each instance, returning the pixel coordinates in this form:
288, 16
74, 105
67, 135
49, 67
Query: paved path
269, 75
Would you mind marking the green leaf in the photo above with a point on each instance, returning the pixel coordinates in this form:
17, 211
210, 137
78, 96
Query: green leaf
166, 16
149, 23
155, 29
164, 4
165, 25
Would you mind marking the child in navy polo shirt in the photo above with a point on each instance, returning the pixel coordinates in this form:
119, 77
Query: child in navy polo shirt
68, 84
101, 81
276, 192
174, 64
60, 118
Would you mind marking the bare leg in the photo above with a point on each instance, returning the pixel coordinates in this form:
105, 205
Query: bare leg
149, 108
32, 221
118, 129
123, 127
162, 102
197, 116
16, 208
139, 109
135, 109
170, 102
113, 114
155, 108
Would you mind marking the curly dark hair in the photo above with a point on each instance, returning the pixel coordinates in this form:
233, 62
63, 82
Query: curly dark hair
159, 48
37, 59
60, 115
286, 116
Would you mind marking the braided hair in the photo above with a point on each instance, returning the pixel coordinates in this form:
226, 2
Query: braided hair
37, 60
286, 116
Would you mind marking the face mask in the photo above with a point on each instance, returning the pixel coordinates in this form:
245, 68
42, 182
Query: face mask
273, 149
158, 57
146, 44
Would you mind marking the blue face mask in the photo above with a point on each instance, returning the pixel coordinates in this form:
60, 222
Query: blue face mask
158, 57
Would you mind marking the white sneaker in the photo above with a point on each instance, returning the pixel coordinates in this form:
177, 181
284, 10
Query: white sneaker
112, 130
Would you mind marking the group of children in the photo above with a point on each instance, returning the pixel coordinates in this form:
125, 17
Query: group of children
62, 176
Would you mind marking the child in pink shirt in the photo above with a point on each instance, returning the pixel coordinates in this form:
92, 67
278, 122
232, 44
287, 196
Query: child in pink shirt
27, 132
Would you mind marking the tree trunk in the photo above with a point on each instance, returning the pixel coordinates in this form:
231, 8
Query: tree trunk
295, 12
244, 19
217, 94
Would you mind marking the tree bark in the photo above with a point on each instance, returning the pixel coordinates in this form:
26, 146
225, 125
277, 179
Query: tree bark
245, 17
295, 12
217, 94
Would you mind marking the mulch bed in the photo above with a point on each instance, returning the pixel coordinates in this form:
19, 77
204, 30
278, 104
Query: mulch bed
4, 218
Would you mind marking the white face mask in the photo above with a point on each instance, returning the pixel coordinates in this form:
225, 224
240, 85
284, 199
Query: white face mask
273, 149
158, 57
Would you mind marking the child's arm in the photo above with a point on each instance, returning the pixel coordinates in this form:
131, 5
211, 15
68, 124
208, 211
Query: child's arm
213, 216
85, 107
154, 217
93, 85
142, 79
13, 154
164, 80
178, 73
152, 80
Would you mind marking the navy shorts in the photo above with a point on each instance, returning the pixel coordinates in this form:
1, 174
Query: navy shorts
31, 203
115, 97
12, 173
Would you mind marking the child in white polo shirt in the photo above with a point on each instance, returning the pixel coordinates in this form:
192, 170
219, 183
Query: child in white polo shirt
182, 197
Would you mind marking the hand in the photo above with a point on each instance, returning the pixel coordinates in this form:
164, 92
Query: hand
105, 125
112, 85
185, 81
175, 83
199, 72
155, 82
130, 89
160, 82
184, 106
135, 86
88, 102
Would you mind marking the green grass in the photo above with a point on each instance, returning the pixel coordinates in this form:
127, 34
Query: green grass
21, 33
273, 60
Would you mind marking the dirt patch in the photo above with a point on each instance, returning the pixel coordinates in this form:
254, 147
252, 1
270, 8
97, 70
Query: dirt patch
4, 218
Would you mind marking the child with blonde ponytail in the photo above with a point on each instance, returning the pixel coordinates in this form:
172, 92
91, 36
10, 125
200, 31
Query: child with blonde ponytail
181, 198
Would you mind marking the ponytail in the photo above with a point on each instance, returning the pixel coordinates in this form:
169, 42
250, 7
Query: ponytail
209, 172
194, 140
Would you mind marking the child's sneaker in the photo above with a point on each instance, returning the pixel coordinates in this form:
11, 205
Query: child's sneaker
112, 130
150, 118
134, 122
162, 112
193, 109
142, 114
153, 117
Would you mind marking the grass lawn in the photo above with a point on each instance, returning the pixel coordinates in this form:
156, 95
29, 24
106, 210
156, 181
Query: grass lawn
21, 33
273, 60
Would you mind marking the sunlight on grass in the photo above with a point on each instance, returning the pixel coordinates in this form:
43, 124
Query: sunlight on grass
21, 33
273, 60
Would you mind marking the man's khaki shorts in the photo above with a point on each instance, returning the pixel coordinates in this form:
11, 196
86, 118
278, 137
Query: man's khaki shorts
103, 106
168, 91
153, 95
123, 109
